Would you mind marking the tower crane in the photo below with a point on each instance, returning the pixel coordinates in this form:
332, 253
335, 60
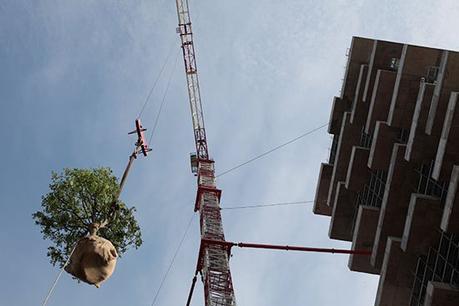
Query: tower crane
213, 260
214, 250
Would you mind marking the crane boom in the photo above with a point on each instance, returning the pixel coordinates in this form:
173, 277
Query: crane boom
189, 58
213, 259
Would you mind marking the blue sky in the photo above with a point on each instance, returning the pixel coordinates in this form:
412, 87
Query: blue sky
73, 77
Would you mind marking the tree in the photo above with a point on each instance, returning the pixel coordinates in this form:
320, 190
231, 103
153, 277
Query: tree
78, 201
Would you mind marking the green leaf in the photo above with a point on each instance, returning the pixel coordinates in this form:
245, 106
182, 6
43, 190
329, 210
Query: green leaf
78, 198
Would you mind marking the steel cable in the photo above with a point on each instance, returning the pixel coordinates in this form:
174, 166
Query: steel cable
51, 290
172, 261
147, 99
267, 205
272, 150
164, 98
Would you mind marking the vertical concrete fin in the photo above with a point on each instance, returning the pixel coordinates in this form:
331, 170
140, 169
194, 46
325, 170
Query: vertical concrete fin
346, 72
397, 85
370, 69
414, 122
372, 101
450, 218
437, 92
356, 104
442, 145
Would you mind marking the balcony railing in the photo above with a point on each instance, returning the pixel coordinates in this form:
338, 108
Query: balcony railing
403, 135
441, 264
365, 139
427, 185
372, 193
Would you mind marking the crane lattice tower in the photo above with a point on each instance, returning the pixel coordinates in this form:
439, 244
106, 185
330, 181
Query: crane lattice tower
213, 260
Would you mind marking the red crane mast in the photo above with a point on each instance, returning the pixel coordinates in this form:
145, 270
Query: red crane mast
213, 260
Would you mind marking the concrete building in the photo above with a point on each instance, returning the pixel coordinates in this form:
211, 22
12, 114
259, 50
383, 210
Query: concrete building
391, 182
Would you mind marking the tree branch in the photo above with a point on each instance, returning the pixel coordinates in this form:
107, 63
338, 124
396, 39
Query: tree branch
71, 210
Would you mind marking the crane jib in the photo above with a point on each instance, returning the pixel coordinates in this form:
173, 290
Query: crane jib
189, 60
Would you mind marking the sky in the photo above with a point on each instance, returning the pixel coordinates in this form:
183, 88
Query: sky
73, 78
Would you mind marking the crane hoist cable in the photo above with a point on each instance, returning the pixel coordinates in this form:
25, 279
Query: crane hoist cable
155, 124
147, 99
141, 145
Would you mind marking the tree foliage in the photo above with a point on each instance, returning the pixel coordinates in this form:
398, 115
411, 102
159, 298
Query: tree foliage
78, 199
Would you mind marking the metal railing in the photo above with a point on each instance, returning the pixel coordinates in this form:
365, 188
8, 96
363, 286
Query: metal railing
441, 264
427, 185
403, 135
365, 139
372, 193
432, 73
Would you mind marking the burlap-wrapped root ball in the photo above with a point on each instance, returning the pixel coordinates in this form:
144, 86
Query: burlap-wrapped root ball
93, 260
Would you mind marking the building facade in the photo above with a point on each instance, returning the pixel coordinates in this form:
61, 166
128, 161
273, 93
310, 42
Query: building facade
390, 184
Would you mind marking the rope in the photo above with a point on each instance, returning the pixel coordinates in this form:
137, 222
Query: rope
272, 150
267, 205
156, 80
164, 98
172, 261
51, 290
